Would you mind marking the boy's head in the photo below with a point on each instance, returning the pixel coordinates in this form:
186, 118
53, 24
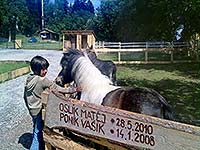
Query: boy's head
38, 64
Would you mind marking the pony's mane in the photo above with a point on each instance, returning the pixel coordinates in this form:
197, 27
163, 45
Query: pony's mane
73, 52
94, 84
70, 56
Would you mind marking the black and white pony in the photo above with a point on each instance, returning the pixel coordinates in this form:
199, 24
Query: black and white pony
106, 67
98, 89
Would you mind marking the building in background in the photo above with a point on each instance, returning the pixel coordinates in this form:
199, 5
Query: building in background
78, 39
50, 35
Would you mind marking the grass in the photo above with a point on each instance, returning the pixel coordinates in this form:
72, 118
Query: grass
10, 66
40, 44
178, 83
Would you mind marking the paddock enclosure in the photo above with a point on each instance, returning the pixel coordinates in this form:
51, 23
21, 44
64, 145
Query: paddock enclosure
73, 124
148, 52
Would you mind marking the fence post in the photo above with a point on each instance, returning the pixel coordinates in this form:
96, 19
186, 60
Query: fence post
172, 52
146, 56
146, 52
172, 55
146, 45
120, 45
119, 56
103, 45
196, 49
63, 42
197, 55
99, 44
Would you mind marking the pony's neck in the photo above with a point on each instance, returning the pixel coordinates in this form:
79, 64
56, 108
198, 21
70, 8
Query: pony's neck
94, 85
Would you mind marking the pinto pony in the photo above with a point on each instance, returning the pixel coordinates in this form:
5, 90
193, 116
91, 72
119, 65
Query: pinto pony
98, 89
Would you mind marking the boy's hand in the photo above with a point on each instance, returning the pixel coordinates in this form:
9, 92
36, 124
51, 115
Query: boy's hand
78, 89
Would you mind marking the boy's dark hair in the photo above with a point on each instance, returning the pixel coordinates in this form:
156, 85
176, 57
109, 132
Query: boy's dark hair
38, 63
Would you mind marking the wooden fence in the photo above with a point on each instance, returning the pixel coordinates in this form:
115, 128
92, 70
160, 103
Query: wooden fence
146, 48
135, 45
14, 73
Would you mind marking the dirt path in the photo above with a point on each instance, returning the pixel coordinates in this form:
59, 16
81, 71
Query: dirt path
15, 122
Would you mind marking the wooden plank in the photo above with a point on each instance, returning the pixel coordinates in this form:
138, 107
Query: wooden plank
57, 141
119, 50
92, 141
13, 74
104, 142
120, 126
105, 50
154, 62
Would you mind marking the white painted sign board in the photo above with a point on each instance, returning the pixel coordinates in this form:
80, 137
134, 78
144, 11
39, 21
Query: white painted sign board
120, 126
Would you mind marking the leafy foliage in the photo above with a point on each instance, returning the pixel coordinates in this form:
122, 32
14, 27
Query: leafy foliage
15, 16
113, 20
142, 20
64, 16
106, 19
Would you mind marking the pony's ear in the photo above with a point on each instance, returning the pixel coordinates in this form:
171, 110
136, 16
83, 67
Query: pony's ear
64, 61
66, 55
87, 50
71, 53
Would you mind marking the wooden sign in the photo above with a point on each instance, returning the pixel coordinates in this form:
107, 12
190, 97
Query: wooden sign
120, 126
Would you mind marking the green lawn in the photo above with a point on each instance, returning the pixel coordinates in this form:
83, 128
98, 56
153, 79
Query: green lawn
178, 83
10, 66
40, 44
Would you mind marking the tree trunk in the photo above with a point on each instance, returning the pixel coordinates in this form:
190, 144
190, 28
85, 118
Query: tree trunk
9, 38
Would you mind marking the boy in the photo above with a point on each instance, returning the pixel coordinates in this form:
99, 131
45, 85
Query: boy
36, 83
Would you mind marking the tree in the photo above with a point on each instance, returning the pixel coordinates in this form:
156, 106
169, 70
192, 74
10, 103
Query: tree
34, 7
106, 19
83, 5
142, 20
3, 17
125, 26
62, 16
89, 7
67, 8
57, 16
15, 17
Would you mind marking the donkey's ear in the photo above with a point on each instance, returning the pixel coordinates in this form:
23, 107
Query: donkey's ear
64, 61
66, 54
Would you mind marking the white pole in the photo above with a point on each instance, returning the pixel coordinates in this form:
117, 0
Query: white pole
42, 14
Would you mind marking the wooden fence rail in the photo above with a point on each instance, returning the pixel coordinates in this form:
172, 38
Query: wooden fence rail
167, 48
125, 45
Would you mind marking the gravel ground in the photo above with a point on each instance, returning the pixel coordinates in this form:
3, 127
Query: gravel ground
15, 121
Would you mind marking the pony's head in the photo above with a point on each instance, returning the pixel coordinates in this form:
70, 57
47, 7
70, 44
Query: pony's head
65, 76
